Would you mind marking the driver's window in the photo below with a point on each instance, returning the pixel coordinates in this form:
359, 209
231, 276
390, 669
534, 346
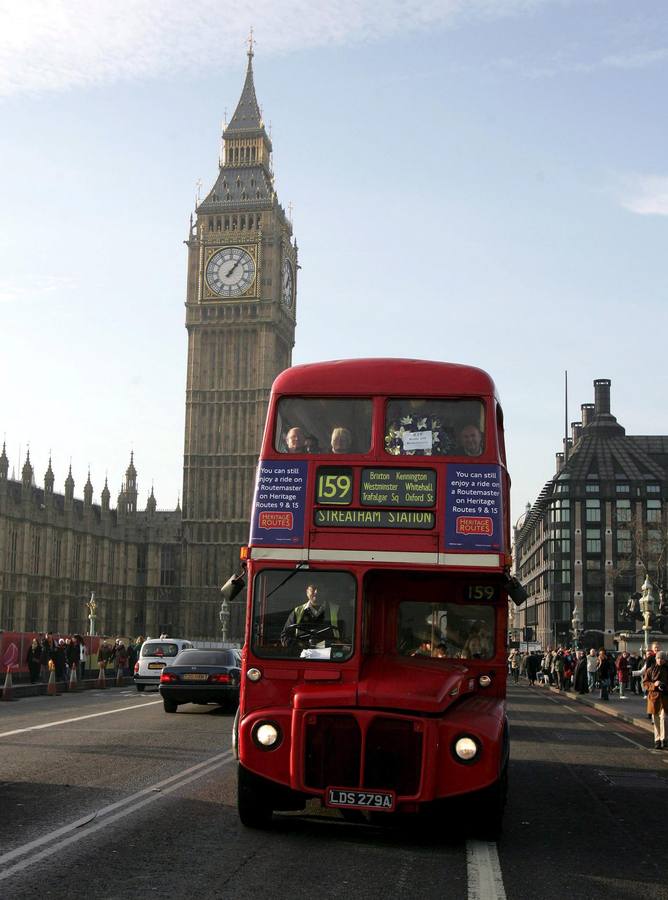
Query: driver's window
304, 615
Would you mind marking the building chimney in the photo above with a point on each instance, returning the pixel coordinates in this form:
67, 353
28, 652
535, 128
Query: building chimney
602, 396
559, 462
576, 431
586, 413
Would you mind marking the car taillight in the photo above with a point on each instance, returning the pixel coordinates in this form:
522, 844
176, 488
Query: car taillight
136, 668
168, 678
220, 679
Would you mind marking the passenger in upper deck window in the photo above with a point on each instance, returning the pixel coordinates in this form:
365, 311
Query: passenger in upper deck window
295, 440
470, 441
341, 440
311, 444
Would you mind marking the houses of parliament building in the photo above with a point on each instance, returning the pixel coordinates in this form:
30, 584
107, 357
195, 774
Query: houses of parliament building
152, 570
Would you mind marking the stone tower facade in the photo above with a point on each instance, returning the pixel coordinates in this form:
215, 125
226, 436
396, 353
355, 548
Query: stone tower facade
240, 317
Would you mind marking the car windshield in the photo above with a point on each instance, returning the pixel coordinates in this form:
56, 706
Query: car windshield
159, 648
310, 425
206, 658
304, 615
445, 630
419, 427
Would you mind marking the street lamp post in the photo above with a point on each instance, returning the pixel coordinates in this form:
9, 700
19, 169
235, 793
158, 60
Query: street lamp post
576, 624
647, 609
224, 616
92, 609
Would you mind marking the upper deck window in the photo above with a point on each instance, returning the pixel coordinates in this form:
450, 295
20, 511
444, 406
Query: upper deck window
415, 427
314, 425
304, 615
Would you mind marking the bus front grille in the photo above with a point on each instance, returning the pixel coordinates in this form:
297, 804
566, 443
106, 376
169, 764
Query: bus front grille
392, 758
333, 747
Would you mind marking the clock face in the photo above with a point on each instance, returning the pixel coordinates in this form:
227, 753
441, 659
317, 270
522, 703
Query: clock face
230, 272
287, 284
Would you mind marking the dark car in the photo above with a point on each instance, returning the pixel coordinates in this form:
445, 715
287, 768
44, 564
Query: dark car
201, 676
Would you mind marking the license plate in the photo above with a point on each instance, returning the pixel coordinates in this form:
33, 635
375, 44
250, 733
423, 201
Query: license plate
383, 801
194, 676
156, 665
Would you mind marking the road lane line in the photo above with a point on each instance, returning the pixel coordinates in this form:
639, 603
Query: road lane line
149, 795
485, 881
589, 719
108, 712
635, 743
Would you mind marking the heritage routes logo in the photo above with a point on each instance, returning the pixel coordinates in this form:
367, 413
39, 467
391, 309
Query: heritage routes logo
473, 514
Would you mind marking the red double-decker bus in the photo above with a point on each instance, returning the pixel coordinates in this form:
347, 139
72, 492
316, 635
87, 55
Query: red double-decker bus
374, 666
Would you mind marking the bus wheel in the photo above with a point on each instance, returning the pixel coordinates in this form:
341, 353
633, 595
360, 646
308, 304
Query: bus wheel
254, 810
490, 807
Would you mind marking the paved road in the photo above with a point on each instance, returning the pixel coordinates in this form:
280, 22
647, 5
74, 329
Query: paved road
131, 802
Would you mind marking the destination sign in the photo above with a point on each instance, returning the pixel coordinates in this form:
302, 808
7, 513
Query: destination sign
373, 518
398, 487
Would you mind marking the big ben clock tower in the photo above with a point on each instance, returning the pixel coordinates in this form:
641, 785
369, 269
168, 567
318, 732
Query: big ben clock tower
240, 317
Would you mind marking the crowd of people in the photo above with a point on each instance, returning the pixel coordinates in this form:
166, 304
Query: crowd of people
567, 669
66, 654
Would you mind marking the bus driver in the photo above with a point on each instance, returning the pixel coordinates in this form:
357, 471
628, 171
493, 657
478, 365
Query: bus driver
311, 622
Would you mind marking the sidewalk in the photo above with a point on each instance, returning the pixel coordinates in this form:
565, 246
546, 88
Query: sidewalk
632, 708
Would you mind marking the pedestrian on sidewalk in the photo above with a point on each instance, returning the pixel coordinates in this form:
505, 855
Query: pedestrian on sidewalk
604, 673
533, 664
592, 668
634, 666
514, 663
623, 667
656, 685
580, 680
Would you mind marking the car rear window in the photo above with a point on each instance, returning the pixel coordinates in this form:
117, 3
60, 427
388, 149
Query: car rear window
159, 648
207, 658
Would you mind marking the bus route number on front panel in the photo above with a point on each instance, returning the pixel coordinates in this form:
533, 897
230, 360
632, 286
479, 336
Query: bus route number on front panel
334, 487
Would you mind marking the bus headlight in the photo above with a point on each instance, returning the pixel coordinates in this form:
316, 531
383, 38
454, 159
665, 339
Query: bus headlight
466, 749
267, 736
484, 681
253, 674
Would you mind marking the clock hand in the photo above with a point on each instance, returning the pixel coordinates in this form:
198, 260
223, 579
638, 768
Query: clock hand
229, 272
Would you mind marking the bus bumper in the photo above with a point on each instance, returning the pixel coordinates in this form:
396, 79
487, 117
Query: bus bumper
413, 757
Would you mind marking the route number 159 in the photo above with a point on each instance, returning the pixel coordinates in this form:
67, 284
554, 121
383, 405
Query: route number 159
334, 487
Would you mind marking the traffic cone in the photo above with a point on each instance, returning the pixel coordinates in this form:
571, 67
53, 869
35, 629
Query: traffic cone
101, 678
51, 687
73, 678
7, 689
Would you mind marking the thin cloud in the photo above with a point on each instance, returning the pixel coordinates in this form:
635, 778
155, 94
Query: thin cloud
646, 195
66, 44
33, 287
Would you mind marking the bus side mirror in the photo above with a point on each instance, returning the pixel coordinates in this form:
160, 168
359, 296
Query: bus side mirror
233, 586
516, 591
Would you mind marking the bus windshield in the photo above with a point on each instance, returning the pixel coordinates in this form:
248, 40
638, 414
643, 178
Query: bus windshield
445, 630
419, 427
301, 616
312, 425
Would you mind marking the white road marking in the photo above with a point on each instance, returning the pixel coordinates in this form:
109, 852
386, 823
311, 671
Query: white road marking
108, 712
484, 876
589, 719
145, 796
571, 708
635, 743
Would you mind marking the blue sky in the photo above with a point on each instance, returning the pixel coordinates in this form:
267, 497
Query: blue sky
471, 181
